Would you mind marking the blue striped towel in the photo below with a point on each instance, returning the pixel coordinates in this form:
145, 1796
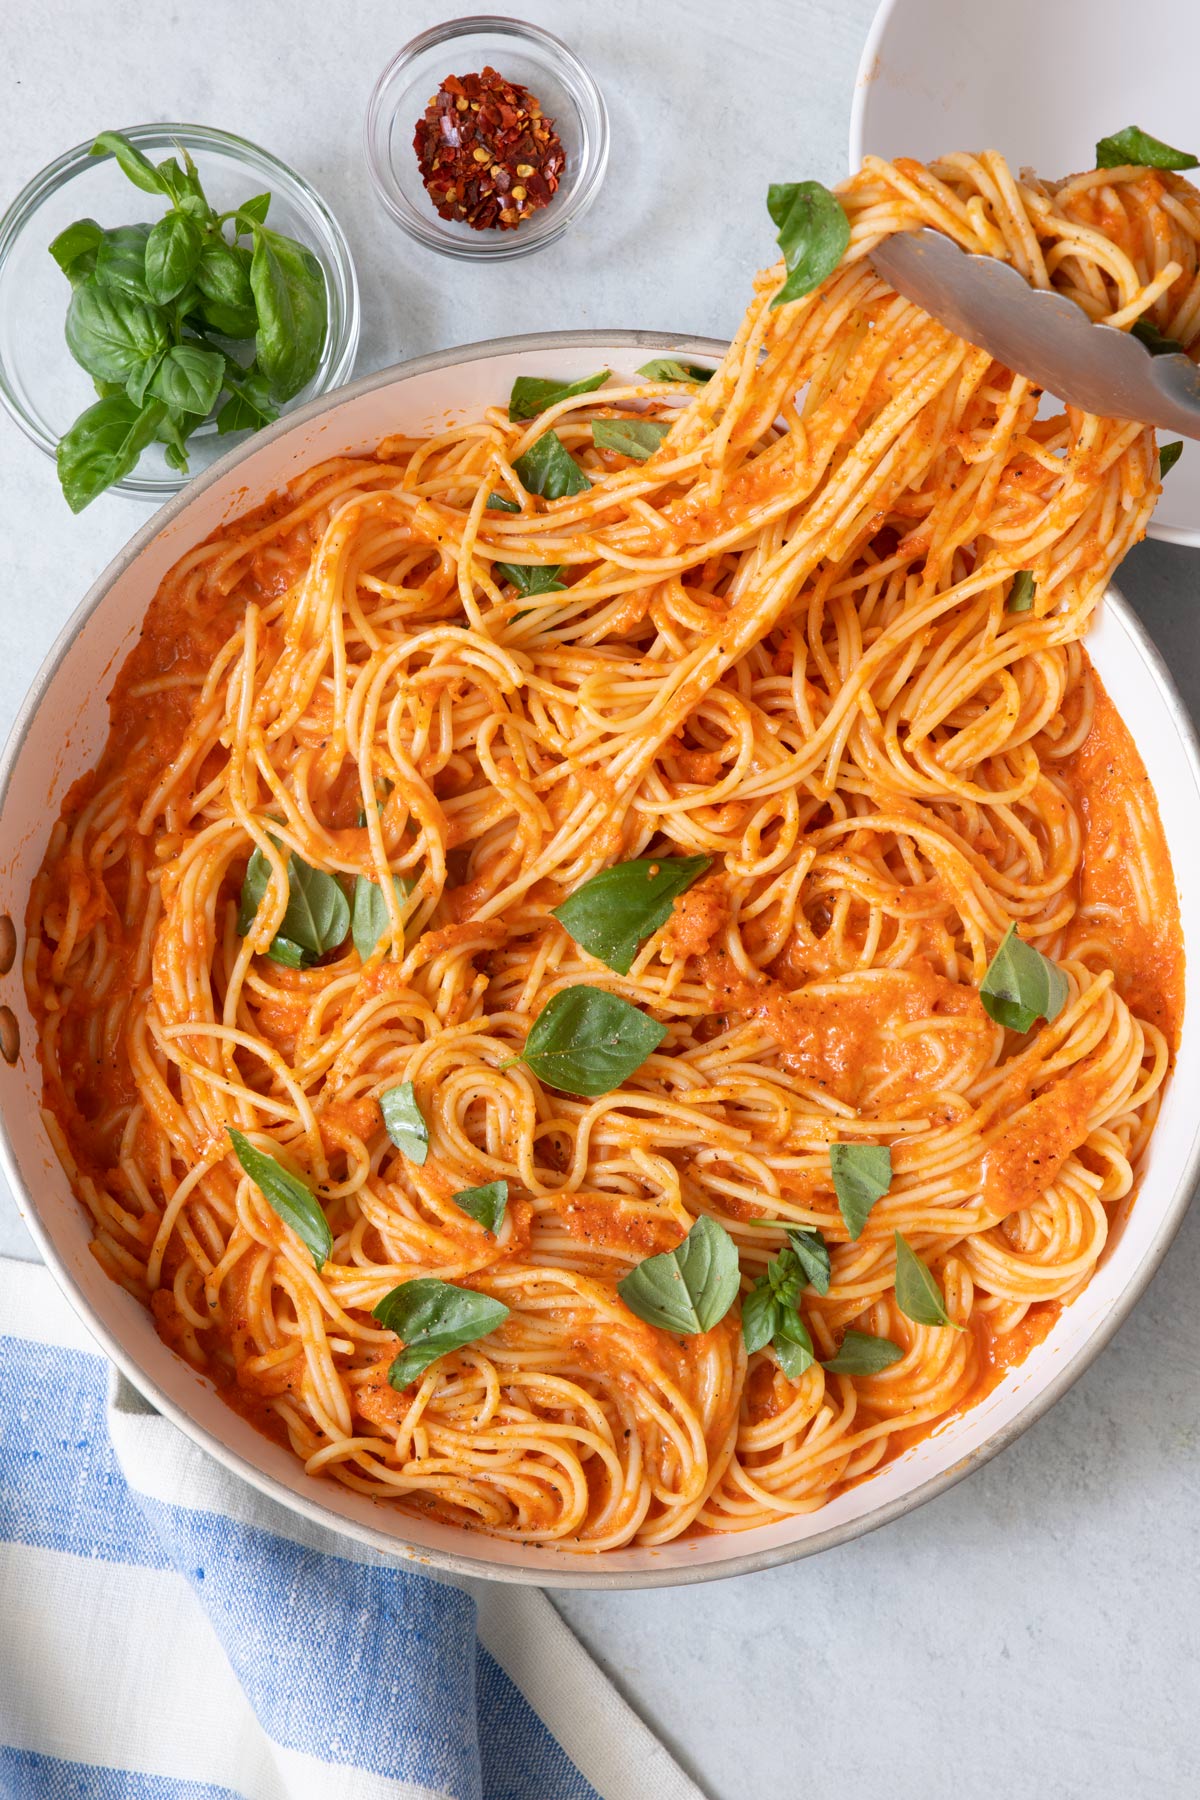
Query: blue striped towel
166, 1633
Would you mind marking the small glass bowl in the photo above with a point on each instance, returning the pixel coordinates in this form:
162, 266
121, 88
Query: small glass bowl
522, 53
42, 385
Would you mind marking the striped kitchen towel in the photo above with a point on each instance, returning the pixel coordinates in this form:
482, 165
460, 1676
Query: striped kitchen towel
166, 1633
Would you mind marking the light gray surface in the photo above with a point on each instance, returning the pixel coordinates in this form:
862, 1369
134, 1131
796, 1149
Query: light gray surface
1035, 1630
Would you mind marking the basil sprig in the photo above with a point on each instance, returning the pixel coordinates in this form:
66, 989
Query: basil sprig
588, 1041
531, 578
862, 1174
636, 438
917, 1293
1156, 341
688, 1289
287, 1195
532, 394
1021, 985
863, 1354
405, 1122
1168, 456
145, 299
484, 1204
369, 914
548, 468
770, 1315
812, 1253
665, 368
317, 917
502, 503
431, 1317
813, 234
1021, 593
614, 913
1136, 147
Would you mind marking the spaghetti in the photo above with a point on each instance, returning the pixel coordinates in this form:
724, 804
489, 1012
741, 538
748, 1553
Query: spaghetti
783, 642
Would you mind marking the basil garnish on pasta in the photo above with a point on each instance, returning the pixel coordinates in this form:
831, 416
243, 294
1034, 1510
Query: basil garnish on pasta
548, 468
1021, 593
1168, 456
588, 1041
1135, 147
1156, 341
813, 235
688, 1289
287, 1195
532, 394
665, 368
862, 1174
614, 913
431, 1317
636, 438
484, 1204
770, 1315
531, 578
917, 1293
317, 917
369, 919
1021, 985
502, 503
405, 1122
862, 1354
812, 1253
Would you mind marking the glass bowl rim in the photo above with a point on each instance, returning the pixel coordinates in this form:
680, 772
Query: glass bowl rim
336, 260
435, 236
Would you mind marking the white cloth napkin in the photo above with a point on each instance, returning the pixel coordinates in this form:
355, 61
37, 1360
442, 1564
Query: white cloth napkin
169, 1634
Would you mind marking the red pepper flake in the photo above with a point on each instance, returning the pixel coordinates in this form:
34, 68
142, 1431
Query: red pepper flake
487, 152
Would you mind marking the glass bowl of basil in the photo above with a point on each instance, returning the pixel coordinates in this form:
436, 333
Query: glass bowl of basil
115, 328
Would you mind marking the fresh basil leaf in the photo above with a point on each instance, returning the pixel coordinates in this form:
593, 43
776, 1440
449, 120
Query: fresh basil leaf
249, 406
785, 1276
223, 277
688, 1289
636, 438
917, 1294
532, 394
110, 334
253, 211
812, 1253
547, 468
405, 1121
103, 445
172, 253
121, 261
432, 1317
189, 379
502, 503
1135, 147
1168, 456
813, 235
1021, 985
234, 322
317, 918
292, 956
531, 578
182, 185
140, 169
75, 247
614, 913
587, 1041
862, 1174
174, 429
665, 368
792, 1344
287, 1195
369, 918
484, 1204
293, 316
758, 1315
1156, 342
1020, 594
862, 1354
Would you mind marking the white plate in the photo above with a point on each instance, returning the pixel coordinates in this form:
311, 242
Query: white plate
1041, 81
60, 732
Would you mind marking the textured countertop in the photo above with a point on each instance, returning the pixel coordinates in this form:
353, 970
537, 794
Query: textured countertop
1037, 1629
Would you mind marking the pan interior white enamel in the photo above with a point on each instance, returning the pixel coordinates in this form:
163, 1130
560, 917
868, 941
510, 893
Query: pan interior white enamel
59, 736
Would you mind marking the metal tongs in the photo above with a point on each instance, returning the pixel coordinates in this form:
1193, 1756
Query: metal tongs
1042, 335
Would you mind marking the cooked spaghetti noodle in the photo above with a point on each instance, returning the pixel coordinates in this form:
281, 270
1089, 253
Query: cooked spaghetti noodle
781, 642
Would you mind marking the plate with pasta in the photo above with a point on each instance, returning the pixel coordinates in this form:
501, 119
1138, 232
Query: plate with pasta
602, 995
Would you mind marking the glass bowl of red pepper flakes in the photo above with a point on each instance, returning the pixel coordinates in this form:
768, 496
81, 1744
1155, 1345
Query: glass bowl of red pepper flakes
544, 125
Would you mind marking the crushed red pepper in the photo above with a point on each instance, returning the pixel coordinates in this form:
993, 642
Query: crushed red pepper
488, 154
